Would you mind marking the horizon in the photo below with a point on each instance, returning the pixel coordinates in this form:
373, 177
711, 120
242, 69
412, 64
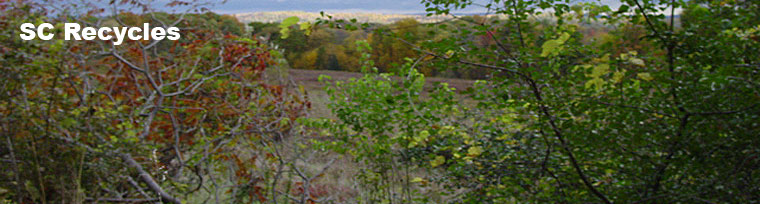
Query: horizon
349, 6
232, 7
403, 7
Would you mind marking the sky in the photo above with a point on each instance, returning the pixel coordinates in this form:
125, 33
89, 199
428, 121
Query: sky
375, 6
380, 6
372, 6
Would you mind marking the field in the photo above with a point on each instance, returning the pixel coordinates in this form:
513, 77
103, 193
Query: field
278, 16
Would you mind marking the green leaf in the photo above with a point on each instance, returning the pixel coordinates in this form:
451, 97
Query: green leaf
306, 27
474, 151
284, 122
618, 76
285, 26
623, 8
597, 82
554, 47
600, 70
437, 161
57, 46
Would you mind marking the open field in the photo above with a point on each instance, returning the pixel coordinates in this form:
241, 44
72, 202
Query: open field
277, 16
310, 78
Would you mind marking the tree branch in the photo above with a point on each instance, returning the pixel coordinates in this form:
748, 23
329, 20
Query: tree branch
145, 177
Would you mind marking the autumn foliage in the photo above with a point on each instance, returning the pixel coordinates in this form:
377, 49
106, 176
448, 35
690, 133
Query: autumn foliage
143, 121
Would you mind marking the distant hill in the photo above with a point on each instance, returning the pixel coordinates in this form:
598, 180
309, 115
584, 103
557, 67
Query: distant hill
277, 16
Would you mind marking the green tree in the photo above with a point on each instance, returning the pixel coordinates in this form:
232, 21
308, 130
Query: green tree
321, 62
669, 119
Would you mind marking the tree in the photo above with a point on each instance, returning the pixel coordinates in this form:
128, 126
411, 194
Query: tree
146, 121
321, 62
563, 121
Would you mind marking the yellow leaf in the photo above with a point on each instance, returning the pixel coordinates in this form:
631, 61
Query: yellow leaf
599, 70
645, 76
437, 161
449, 53
618, 76
446, 130
423, 135
474, 151
603, 59
598, 83
419, 139
636, 61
